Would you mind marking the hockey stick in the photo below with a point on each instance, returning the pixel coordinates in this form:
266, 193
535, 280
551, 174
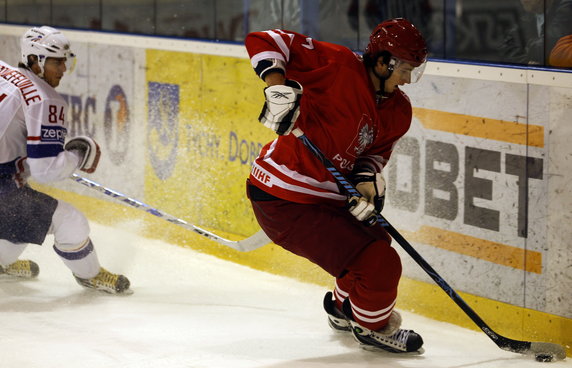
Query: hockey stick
541, 350
246, 245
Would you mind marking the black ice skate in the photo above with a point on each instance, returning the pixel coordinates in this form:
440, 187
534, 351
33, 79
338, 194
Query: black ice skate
336, 318
393, 339
21, 268
106, 281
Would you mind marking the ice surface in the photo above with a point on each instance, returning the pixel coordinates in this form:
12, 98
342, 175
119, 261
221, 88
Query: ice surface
193, 310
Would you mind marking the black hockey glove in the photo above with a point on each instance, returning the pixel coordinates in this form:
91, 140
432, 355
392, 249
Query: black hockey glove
372, 187
88, 150
282, 106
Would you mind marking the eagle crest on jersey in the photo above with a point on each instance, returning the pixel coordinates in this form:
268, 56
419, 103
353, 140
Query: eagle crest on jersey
365, 138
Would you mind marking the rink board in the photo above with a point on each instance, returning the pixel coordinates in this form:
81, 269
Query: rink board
478, 184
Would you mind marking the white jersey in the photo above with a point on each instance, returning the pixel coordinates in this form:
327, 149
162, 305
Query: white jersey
32, 130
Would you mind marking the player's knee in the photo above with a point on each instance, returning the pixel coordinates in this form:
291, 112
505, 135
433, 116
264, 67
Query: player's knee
383, 263
69, 226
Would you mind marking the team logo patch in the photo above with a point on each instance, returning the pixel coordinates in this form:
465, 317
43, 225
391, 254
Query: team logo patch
53, 134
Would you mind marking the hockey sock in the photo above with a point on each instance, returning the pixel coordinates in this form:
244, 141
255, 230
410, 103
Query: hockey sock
82, 261
9, 252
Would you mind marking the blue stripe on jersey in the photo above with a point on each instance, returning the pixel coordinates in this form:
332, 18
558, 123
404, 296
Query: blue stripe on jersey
49, 144
44, 150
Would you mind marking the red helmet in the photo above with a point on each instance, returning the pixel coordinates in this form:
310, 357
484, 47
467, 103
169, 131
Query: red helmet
401, 39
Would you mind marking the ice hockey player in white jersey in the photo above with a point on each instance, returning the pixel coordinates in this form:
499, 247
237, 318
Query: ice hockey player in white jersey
32, 143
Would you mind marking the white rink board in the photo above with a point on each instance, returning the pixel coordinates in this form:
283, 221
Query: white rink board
553, 107
544, 212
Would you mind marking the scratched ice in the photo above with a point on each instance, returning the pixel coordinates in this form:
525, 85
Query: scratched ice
193, 310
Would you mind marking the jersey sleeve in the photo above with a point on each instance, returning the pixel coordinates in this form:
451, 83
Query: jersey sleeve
269, 51
371, 163
47, 159
279, 50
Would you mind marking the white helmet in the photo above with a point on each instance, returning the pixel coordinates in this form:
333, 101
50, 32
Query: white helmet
45, 42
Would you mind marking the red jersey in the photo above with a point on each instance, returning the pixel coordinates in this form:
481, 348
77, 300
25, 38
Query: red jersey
338, 112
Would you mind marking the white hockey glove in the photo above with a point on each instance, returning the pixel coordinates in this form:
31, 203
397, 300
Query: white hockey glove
282, 106
88, 150
372, 187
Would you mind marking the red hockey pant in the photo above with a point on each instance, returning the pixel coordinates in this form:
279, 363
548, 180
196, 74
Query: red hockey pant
366, 267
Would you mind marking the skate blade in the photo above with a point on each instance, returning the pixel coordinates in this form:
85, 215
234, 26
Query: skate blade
125, 292
376, 349
15, 278
107, 292
338, 329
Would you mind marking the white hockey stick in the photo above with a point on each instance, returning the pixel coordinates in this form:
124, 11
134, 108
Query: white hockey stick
245, 245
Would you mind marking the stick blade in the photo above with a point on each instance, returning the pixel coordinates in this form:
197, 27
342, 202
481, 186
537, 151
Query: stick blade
245, 245
548, 348
254, 242
557, 352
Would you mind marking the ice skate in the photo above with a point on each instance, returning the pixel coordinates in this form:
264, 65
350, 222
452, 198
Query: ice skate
391, 338
21, 268
106, 281
336, 318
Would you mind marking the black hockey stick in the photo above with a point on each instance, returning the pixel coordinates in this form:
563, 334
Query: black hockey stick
245, 245
541, 350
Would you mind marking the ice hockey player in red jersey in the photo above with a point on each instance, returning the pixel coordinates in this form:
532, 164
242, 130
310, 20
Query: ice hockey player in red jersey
32, 143
351, 107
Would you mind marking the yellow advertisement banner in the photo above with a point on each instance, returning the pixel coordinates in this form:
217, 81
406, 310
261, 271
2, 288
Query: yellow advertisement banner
202, 137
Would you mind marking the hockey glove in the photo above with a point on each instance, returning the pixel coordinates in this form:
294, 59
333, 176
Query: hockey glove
88, 150
282, 106
372, 187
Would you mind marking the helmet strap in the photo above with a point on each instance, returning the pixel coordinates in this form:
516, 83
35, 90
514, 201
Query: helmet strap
379, 95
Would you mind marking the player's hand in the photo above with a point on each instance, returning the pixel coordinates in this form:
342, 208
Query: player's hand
372, 188
282, 106
88, 150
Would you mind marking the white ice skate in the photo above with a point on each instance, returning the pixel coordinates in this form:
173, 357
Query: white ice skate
391, 338
21, 268
336, 318
106, 281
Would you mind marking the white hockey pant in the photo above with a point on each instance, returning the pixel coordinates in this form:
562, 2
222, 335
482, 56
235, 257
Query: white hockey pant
71, 236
